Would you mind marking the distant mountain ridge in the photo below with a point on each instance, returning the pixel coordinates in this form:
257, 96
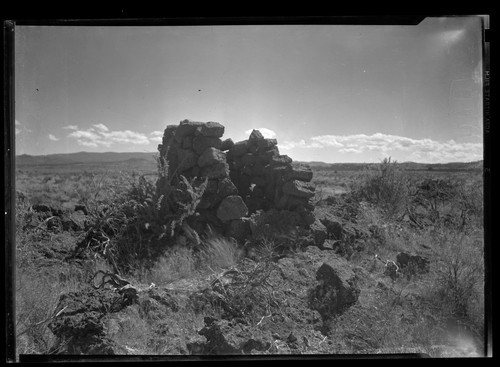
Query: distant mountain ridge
410, 166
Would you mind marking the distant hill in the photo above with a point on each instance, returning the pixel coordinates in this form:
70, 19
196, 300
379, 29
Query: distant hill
83, 157
408, 166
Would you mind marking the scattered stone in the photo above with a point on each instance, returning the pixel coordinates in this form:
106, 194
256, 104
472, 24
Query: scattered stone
416, 262
229, 337
319, 232
332, 224
41, 208
82, 208
54, 223
337, 289
80, 325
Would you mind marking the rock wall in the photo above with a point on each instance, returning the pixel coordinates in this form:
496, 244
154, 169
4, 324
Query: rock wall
243, 177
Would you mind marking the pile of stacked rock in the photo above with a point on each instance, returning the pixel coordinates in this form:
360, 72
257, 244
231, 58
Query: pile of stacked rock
266, 180
242, 177
193, 149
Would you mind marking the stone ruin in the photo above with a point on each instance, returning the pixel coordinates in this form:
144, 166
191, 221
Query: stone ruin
243, 177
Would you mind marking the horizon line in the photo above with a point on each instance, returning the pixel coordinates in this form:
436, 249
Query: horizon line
313, 161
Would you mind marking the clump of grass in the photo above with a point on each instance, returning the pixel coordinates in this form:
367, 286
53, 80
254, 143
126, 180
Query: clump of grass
218, 252
35, 302
214, 254
173, 265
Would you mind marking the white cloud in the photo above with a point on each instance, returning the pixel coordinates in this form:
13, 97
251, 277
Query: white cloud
71, 127
427, 150
267, 133
101, 136
53, 138
101, 127
17, 123
126, 137
156, 136
350, 150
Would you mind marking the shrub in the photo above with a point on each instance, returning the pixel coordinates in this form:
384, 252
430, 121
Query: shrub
386, 185
138, 224
460, 279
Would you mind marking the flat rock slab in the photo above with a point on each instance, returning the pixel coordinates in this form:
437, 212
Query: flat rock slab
213, 129
300, 172
299, 189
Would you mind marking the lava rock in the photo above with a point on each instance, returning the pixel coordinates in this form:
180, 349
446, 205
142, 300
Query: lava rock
232, 207
213, 129
211, 156
299, 189
337, 289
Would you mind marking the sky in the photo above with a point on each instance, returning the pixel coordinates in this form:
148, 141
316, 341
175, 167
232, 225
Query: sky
330, 93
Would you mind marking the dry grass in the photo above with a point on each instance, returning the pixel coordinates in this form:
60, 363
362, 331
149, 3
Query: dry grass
214, 254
